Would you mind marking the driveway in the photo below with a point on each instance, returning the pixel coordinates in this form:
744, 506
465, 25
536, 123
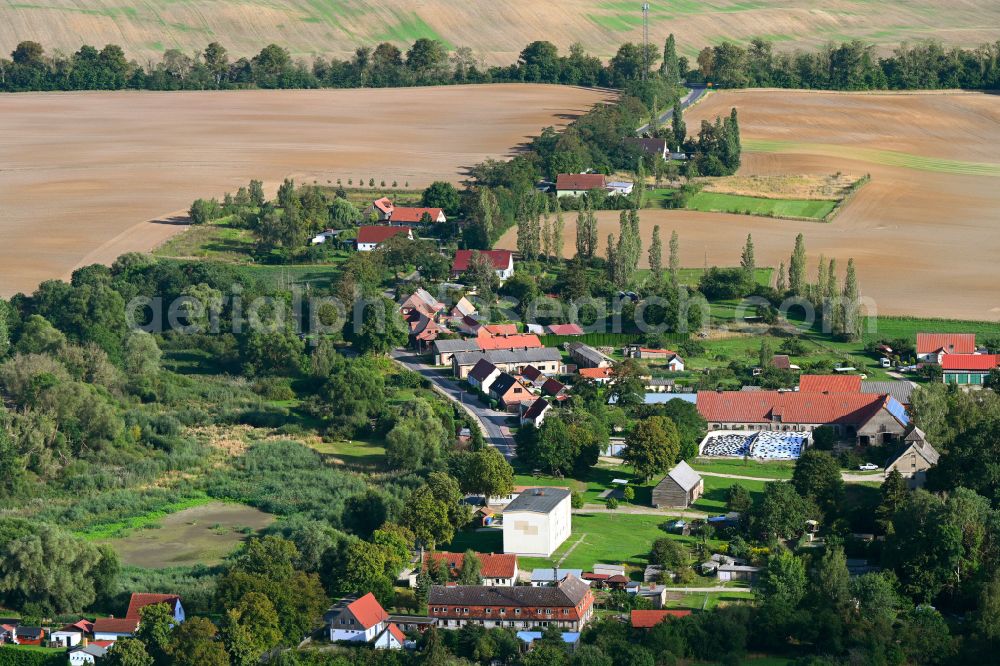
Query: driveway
492, 422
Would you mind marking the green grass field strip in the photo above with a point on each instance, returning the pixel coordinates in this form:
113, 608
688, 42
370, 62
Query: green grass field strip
876, 156
123, 526
409, 28
717, 202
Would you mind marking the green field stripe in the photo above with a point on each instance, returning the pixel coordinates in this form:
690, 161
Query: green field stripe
876, 156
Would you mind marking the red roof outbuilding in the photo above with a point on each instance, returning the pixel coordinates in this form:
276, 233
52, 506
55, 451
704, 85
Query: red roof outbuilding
491, 565
647, 619
830, 383
970, 361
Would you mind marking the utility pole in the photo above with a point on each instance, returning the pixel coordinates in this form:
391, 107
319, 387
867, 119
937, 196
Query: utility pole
645, 40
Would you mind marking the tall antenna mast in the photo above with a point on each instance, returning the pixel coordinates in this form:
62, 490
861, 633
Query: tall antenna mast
645, 39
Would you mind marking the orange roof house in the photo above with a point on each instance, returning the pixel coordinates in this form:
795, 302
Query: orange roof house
371, 237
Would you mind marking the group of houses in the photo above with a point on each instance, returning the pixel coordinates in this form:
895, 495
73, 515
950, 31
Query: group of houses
962, 363
87, 642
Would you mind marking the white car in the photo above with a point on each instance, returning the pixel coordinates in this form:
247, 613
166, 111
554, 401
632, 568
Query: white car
868, 467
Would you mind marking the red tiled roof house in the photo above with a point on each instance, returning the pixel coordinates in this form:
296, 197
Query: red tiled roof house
140, 600
357, 619
495, 569
502, 260
578, 184
932, 347
369, 238
406, 215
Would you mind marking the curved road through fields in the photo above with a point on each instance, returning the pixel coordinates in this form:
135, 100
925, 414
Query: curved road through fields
696, 93
494, 423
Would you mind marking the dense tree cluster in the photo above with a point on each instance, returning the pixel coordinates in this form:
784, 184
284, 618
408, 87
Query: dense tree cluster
853, 65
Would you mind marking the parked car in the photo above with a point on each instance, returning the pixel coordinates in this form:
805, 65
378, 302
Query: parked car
868, 467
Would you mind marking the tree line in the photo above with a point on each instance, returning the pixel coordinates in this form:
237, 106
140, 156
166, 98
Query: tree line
853, 65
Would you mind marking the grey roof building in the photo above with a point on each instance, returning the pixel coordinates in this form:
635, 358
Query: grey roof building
898, 389
681, 487
537, 500
588, 357
546, 359
568, 592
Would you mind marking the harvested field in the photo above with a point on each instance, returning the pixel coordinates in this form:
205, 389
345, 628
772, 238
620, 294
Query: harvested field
335, 27
82, 172
793, 186
925, 232
200, 535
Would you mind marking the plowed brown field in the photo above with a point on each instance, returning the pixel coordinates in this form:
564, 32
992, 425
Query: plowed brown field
925, 232
79, 172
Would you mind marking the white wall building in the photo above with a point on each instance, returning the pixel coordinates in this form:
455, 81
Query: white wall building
537, 521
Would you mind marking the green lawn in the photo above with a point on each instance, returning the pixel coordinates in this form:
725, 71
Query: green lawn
611, 538
691, 276
778, 469
908, 327
716, 202
708, 600
714, 498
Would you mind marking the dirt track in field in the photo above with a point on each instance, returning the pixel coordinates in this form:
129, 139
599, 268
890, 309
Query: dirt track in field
925, 232
79, 172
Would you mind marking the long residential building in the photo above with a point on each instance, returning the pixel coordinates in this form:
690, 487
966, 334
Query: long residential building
568, 605
546, 359
867, 418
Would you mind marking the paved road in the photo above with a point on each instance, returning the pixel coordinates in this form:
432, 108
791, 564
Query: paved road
686, 101
494, 423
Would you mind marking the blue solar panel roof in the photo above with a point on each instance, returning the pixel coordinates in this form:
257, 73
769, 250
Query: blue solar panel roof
897, 410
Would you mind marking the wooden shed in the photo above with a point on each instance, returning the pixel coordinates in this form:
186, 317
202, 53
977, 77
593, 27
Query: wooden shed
679, 488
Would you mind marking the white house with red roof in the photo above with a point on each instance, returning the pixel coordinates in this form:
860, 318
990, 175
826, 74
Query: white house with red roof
369, 238
407, 215
71, 634
357, 619
140, 600
932, 347
391, 638
578, 184
113, 628
534, 412
502, 260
